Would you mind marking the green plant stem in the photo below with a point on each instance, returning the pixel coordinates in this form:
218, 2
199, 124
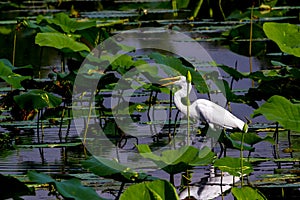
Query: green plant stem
170, 115
196, 11
14, 49
188, 127
120, 190
63, 63
188, 183
172, 179
174, 6
188, 117
40, 61
242, 161
88, 121
221, 9
250, 43
38, 126
61, 122
221, 185
69, 121
42, 129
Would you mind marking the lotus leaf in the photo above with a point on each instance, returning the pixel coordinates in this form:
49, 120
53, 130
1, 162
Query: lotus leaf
285, 35
226, 139
111, 169
60, 41
233, 166
9, 76
37, 99
251, 138
159, 189
69, 189
281, 110
39, 177
12, 188
247, 193
66, 23
176, 64
179, 160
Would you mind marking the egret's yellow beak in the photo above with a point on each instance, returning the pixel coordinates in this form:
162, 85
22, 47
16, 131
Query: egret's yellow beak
172, 79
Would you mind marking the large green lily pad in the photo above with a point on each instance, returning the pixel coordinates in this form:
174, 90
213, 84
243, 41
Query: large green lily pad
179, 160
281, 110
247, 193
285, 35
37, 99
9, 76
159, 189
111, 169
69, 189
178, 66
66, 23
60, 41
13, 188
233, 166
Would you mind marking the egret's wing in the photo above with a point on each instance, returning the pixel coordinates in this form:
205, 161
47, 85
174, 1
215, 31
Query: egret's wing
217, 115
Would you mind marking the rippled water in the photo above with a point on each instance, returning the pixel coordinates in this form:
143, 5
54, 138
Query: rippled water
66, 160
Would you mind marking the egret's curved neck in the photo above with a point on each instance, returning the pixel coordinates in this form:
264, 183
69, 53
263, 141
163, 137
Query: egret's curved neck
180, 94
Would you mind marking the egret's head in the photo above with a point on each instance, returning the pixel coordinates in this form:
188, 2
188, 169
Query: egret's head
178, 80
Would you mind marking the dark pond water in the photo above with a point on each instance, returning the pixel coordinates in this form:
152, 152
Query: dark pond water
62, 160
66, 160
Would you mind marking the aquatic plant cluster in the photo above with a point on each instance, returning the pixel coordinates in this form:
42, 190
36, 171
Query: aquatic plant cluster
31, 102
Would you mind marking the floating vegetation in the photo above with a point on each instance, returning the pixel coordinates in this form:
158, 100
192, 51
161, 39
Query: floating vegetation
39, 102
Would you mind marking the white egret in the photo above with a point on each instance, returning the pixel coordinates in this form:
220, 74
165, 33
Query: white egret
203, 109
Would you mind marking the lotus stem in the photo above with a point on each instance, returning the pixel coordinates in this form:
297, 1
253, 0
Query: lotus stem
250, 43
69, 121
120, 190
221, 184
88, 121
38, 126
172, 179
63, 63
196, 11
189, 80
174, 6
290, 142
241, 158
14, 49
61, 122
170, 115
42, 128
40, 61
221, 9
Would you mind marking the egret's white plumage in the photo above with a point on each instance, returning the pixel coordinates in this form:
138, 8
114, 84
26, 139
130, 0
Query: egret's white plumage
203, 109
